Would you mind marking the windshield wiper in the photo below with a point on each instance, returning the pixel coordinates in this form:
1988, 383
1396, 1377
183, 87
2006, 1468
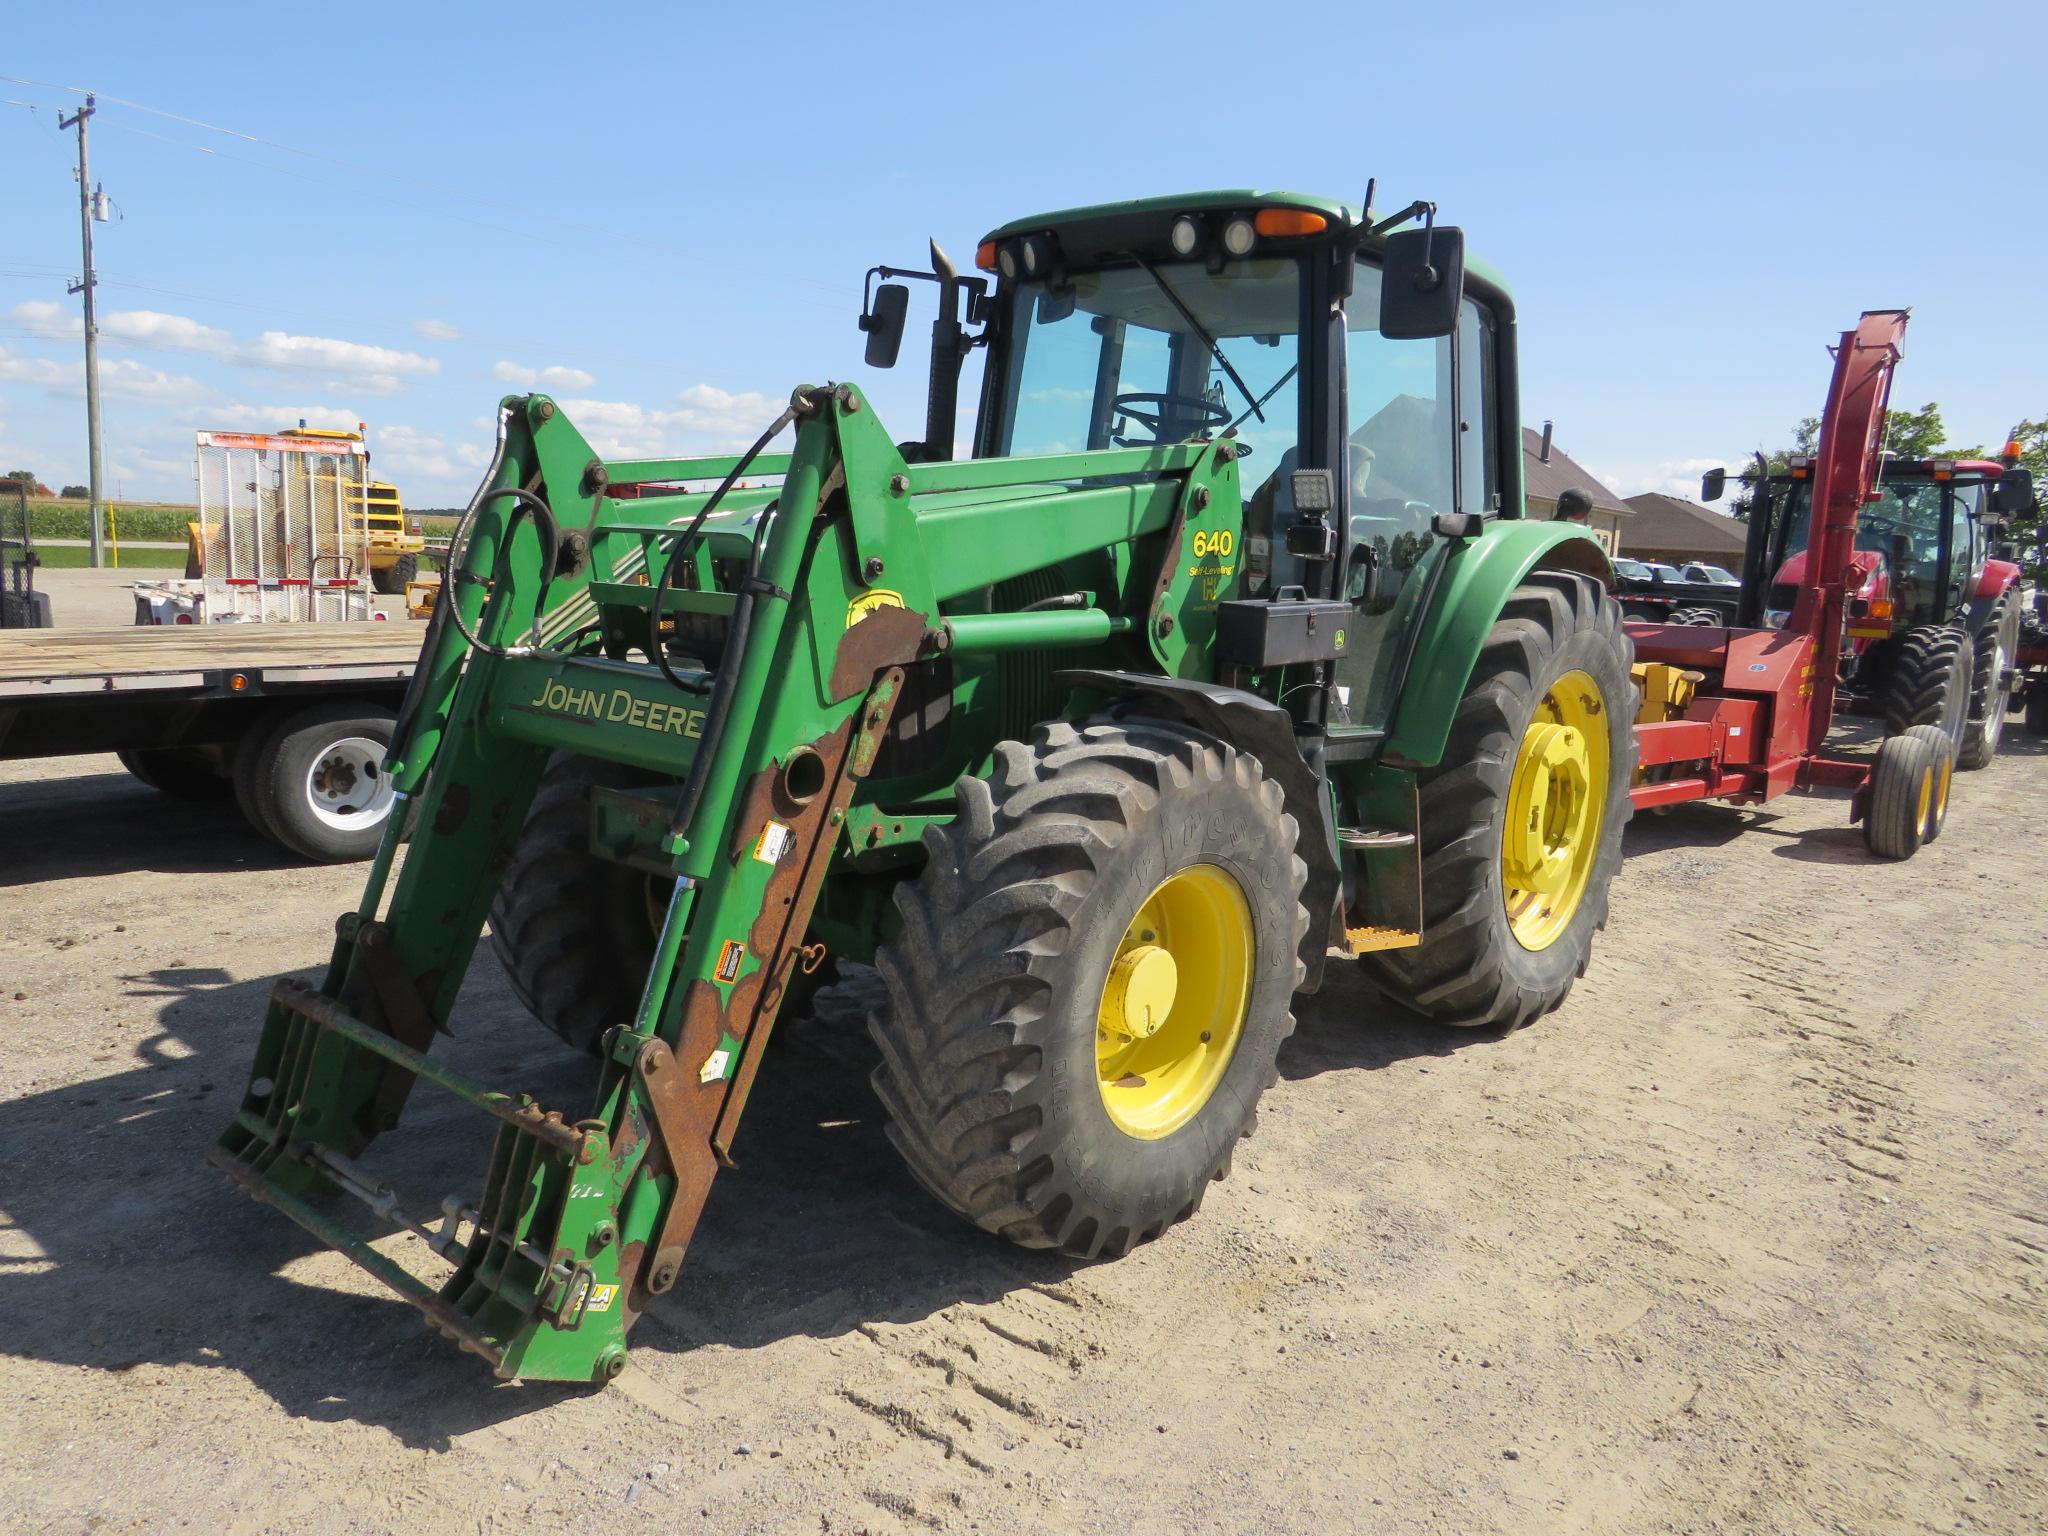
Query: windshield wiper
1206, 339
1278, 384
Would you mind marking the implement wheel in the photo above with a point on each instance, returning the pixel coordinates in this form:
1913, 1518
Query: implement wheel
1996, 646
1092, 983
392, 578
1909, 787
1930, 681
1522, 817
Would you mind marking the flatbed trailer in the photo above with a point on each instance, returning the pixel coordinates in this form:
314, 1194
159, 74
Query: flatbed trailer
290, 720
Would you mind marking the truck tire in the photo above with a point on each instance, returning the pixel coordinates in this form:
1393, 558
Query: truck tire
1092, 983
1521, 826
1909, 786
185, 773
1699, 618
575, 932
1996, 646
1930, 681
250, 755
392, 578
316, 782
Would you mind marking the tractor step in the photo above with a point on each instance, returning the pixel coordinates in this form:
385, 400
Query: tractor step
535, 1288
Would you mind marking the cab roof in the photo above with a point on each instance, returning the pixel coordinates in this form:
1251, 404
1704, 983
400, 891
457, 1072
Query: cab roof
1342, 215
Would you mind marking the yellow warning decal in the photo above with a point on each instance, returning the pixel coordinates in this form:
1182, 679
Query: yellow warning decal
729, 957
775, 840
867, 601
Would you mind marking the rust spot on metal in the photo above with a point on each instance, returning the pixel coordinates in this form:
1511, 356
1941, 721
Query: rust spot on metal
886, 637
453, 811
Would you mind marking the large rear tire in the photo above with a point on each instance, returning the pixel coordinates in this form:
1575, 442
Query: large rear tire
1930, 682
1092, 983
2037, 708
392, 578
1996, 646
575, 932
1523, 815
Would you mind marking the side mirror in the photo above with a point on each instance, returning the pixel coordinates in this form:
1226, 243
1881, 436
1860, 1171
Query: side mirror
1712, 484
2012, 494
884, 324
1422, 283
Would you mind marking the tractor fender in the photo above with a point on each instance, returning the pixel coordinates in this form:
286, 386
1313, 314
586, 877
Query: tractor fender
1266, 731
1990, 586
1477, 578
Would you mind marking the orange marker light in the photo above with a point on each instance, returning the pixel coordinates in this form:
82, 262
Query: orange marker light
1289, 221
2011, 451
985, 255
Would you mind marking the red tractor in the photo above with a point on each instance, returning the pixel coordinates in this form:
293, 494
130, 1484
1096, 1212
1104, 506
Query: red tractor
1932, 627
1743, 714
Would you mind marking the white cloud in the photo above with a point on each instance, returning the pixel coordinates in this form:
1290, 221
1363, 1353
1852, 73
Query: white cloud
171, 333
121, 378
278, 349
1667, 477
272, 418
403, 453
437, 330
700, 419
558, 377
46, 317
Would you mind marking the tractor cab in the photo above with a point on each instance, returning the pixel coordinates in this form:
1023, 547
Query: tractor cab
1362, 379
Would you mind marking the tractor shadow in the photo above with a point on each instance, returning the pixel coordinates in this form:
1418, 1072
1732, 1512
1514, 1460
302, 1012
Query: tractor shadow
93, 824
1350, 1025
121, 1249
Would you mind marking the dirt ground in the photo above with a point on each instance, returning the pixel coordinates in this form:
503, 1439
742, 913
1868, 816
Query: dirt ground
1748, 1237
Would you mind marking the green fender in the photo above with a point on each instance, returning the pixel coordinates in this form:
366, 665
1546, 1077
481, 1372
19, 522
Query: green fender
1480, 576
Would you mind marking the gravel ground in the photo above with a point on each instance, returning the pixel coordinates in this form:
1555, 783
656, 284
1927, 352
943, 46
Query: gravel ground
1748, 1237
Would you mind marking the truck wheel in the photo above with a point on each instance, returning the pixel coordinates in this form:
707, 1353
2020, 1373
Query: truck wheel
317, 782
1092, 983
1909, 787
1522, 818
392, 578
575, 932
186, 773
1930, 681
1996, 646
1699, 618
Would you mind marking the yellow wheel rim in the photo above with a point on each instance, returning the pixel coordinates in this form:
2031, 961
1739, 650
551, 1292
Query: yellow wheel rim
1557, 806
1948, 773
1926, 802
1173, 1004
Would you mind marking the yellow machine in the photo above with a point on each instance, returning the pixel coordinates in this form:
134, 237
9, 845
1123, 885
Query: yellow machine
395, 547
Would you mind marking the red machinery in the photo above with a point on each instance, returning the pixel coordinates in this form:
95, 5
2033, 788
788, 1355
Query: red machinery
1743, 714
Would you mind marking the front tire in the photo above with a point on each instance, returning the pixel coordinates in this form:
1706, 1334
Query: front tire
1092, 983
1522, 817
1996, 646
392, 578
1930, 682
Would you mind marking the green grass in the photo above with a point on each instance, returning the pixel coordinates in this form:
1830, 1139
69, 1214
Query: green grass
71, 557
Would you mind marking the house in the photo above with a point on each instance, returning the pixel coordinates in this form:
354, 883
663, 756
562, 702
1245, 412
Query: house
1547, 481
1678, 531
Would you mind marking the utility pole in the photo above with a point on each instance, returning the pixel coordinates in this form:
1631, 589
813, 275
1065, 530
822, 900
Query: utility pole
87, 211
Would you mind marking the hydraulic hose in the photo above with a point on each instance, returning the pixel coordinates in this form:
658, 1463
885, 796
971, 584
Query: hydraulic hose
543, 521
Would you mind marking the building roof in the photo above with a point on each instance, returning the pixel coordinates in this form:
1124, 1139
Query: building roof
1546, 481
1671, 522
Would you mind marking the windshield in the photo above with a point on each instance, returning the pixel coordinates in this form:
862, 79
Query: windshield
1635, 570
1136, 355
1905, 524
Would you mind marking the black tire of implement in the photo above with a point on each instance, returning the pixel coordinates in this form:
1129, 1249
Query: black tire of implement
1930, 681
2037, 708
571, 929
184, 773
278, 779
1470, 970
988, 1041
1698, 618
1985, 725
1893, 827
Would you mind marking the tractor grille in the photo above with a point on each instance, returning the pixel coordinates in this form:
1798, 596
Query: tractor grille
1024, 682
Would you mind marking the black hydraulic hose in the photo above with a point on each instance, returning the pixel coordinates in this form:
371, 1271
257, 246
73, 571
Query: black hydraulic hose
543, 521
685, 540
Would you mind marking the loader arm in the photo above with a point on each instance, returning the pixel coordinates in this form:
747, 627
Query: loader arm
829, 585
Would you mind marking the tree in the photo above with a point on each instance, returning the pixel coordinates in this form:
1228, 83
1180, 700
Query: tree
20, 474
74, 493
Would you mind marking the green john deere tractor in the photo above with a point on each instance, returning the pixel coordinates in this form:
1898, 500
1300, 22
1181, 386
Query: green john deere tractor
1227, 656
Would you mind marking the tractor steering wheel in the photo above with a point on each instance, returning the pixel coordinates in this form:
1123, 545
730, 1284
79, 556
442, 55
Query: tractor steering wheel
1150, 411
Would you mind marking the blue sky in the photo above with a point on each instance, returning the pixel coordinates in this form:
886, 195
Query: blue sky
662, 215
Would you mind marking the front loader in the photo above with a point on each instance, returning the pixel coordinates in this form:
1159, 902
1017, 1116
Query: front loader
1226, 656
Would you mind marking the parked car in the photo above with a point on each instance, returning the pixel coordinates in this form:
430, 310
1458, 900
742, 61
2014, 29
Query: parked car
1710, 573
